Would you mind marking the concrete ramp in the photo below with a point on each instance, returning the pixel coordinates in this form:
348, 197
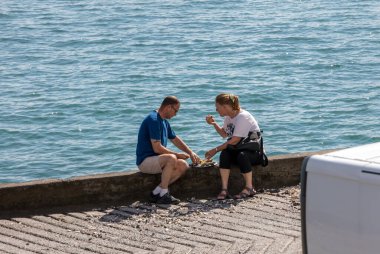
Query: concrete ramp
266, 223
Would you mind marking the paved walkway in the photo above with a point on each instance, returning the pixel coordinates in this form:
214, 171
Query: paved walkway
267, 223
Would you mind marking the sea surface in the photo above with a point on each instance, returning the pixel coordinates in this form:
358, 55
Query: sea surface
78, 77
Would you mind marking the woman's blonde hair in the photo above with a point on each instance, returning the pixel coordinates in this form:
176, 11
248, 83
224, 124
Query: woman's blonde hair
228, 99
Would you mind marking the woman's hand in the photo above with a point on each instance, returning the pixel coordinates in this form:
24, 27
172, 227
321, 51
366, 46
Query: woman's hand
209, 154
210, 119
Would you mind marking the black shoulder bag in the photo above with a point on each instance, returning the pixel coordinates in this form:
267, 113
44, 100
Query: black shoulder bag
263, 157
252, 145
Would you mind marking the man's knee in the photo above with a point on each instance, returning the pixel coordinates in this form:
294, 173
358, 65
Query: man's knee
168, 159
182, 165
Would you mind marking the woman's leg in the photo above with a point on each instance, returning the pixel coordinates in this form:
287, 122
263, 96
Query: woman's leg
225, 160
244, 163
224, 170
224, 174
248, 180
245, 160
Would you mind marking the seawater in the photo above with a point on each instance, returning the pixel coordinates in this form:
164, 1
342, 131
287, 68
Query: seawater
78, 77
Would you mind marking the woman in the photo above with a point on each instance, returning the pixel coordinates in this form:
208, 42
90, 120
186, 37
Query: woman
238, 124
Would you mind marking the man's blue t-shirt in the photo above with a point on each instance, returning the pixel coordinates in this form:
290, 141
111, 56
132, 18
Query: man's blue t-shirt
152, 127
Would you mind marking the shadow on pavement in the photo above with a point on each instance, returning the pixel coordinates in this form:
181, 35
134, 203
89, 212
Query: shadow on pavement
150, 210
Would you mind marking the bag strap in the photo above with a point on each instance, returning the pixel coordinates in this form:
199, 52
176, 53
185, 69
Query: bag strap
264, 158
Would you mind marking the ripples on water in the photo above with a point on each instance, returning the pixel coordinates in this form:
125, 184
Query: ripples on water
77, 78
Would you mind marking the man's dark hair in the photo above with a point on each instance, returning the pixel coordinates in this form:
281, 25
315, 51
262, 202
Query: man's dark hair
169, 100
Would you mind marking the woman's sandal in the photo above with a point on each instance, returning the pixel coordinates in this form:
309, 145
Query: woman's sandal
223, 194
251, 192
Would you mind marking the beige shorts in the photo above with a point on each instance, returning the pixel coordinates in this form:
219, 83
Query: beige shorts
151, 165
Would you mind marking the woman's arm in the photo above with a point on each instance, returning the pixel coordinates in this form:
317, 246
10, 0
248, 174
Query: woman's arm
232, 141
210, 120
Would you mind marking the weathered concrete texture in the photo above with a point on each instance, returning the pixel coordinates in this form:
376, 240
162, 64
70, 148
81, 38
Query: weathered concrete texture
268, 223
132, 186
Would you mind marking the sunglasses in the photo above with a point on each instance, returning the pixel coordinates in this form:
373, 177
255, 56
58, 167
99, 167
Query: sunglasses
175, 110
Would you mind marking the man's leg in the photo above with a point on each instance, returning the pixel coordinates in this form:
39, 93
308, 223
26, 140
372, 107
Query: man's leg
173, 168
164, 165
168, 164
180, 168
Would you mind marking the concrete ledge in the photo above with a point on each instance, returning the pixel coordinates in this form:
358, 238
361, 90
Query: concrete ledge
117, 188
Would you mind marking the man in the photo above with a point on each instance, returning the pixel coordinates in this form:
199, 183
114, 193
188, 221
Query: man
152, 156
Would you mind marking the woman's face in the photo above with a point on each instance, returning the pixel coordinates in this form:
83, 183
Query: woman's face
222, 109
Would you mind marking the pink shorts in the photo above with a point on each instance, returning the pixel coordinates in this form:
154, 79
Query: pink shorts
151, 165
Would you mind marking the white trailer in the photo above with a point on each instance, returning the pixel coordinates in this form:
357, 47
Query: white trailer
340, 201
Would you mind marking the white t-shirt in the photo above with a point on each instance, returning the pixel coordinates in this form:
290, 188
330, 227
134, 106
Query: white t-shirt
240, 125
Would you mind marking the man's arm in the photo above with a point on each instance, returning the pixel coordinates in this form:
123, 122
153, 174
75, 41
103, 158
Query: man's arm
178, 142
159, 148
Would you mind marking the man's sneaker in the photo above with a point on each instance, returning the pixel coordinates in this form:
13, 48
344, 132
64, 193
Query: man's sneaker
168, 199
154, 198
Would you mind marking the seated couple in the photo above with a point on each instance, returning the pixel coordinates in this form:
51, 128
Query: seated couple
153, 156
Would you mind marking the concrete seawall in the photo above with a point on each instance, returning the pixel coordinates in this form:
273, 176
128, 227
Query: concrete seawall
119, 188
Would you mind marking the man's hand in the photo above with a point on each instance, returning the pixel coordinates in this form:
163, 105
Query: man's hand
183, 156
195, 158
